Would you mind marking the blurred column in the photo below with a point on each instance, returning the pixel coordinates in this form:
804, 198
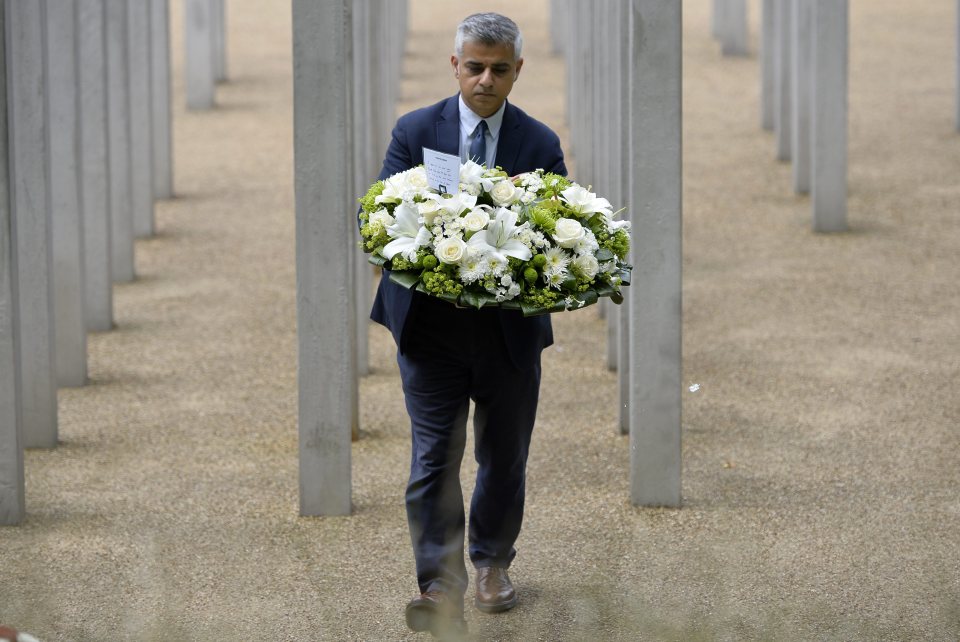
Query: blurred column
29, 180
325, 316
94, 164
801, 91
362, 96
70, 331
783, 96
12, 495
118, 130
141, 118
559, 15
162, 139
655, 310
734, 33
768, 65
622, 35
604, 36
218, 41
198, 57
830, 63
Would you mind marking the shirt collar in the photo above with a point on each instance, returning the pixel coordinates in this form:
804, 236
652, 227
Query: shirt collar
469, 120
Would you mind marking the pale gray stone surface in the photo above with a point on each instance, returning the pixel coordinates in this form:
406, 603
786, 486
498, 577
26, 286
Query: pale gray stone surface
363, 170
119, 149
141, 118
734, 36
12, 488
70, 332
767, 64
325, 314
830, 88
655, 313
218, 13
94, 164
161, 118
200, 66
802, 90
30, 183
783, 96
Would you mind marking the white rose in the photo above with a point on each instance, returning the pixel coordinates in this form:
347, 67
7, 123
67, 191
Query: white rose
505, 193
587, 265
476, 220
428, 210
568, 232
451, 250
382, 217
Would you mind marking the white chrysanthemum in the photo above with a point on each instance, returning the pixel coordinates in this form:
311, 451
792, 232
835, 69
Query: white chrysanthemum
494, 265
557, 259
554, 279
472, 267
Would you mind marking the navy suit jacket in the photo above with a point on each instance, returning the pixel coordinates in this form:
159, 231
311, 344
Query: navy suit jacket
525, 144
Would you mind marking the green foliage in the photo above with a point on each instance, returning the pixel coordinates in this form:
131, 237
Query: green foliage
429, 262
530, 275
369, 200
618, 243
440, 283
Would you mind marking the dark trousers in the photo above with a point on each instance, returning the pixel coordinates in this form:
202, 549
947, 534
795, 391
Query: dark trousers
452, 356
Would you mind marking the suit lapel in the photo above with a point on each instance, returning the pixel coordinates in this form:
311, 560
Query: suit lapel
508, 144
448, 128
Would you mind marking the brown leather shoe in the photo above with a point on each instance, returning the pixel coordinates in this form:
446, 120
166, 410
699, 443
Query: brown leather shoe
436, 612
494, 590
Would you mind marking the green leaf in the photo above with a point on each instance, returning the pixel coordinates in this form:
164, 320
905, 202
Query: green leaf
510, 305
476, 299
407, 279
589, 297
605, 289
531, 310
625, 274
617, 297
603, 254
377, 260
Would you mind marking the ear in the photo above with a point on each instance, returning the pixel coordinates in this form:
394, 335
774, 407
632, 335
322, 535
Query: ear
516, 72
455, 63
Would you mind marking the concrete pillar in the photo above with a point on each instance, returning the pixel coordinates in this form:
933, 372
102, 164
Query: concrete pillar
655, 304
30, 185
767, 65
141, 118
363, 174
957, 88
12, 494
830, 64
70, 331
198, 56
783, 98
623, 126
801, 91
94, 164
606, 137
734, 34
218, 13
325, 316
119, 154
558, 25
162, 140
717, 18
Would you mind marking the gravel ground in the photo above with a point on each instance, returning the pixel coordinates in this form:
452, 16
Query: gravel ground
821, 495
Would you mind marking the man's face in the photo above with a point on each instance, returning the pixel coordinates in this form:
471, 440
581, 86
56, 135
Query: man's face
486, 75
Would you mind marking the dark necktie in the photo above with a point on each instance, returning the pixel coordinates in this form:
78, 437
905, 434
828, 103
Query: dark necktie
478, 146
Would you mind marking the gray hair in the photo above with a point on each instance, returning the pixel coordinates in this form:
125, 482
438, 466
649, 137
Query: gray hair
489, 29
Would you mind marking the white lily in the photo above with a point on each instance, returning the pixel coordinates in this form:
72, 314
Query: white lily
584, 201
407, 233
500, 238
456, 204
473, 174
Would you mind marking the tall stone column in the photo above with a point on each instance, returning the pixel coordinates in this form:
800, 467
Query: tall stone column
768, 64
802, 90
199, 62
119, 152
783, 97
830, 65
162, 139
12, 494
218, 13
957, 86
362, 170
30, 184
70, 331
734, 34
655, 304
141, 118
622, 36
325, 314
94, 164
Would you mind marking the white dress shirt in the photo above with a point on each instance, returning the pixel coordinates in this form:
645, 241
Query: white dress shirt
468, 124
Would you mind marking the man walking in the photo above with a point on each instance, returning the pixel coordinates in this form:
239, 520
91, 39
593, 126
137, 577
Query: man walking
450, 355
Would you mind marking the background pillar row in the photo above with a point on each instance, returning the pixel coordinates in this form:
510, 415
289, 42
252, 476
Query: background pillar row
119, 151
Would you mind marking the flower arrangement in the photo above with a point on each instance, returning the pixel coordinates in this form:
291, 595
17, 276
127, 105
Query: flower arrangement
536, 242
